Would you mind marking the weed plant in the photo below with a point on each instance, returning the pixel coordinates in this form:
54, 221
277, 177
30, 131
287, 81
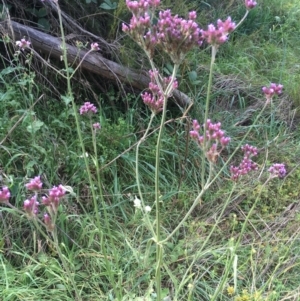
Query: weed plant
175, 211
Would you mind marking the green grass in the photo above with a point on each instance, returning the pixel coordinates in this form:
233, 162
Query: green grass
116, 261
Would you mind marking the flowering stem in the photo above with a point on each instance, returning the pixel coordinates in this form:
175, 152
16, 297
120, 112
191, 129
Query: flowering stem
196, 202
79, 64
242, 20
210, 181
137, 171
212, 62
70, 95
157, 197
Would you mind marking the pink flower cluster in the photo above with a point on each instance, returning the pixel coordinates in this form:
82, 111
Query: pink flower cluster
23, 44
277, 170
96, 126
52, 201
31, 206
250, 4
87, 109
35, 184
175, 35
140, 22
95, 46
48, 222
272, 90
217, 36
246, 165
155, 99
137, 6
215, 140
55, 195
4, 195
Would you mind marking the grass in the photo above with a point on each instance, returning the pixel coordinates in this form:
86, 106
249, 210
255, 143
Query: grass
115, 260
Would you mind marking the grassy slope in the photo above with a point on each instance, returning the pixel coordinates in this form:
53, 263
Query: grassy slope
265, 49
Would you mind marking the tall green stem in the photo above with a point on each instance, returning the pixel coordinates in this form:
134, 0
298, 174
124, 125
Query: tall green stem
157, 194
71, 97
106, 219
212, 62
137, 174
65, 265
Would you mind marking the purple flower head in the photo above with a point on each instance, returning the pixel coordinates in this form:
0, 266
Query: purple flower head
173, 34
56, 193
176, 36
140, 23
218, 35
215, 139
4, 195
272, 90
95, 46
31, 206
155, 99
23, 44
246, 165
96, 126
277, 170
87, 109
249, 151
35, 184
250, 4
48, 222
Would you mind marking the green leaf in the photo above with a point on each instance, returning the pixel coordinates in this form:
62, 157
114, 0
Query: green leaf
44, 24
42, 12
66, 100
35, 126
108, 5
192, 76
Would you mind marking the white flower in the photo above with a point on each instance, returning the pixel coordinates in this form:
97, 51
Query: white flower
137, 203
147, 208
82, 156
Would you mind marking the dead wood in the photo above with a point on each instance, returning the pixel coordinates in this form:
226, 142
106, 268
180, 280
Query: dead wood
93, 62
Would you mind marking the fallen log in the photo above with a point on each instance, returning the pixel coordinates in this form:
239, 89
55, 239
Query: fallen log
93, 62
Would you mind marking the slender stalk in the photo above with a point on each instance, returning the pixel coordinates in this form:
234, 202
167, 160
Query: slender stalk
79, 64
90, 180
242, 20
65, 265
220, 216
157, 194
212, 62
137, 171
225, 277
106, 220
210, 182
